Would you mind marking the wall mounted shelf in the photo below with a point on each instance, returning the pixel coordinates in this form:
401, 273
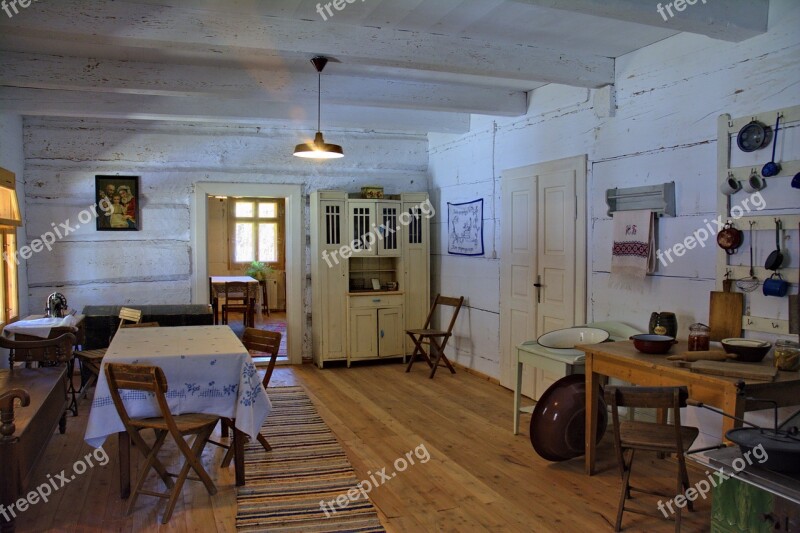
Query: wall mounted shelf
657, 198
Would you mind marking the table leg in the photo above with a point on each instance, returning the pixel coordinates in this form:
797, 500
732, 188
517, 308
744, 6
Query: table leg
732, 404
517, 393
124, 445
238, 456
592, 384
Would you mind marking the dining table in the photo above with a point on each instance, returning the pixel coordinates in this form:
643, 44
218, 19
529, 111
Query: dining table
731, 395
208, 371
217, 289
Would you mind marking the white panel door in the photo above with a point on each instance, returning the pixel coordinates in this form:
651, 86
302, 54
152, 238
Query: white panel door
363, 333
390, 332
543, 263
517, 267
557, 211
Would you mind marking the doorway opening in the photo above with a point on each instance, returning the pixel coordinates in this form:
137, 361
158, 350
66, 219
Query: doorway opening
246, 236
237, 224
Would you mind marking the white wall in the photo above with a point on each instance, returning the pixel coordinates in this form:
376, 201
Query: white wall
669, 96
153, 266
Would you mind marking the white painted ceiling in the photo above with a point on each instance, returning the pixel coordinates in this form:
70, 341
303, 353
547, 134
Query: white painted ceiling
410, 65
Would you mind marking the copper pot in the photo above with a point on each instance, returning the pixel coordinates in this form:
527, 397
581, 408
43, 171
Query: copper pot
730, 238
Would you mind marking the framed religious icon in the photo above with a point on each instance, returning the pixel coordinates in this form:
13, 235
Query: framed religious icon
117, 200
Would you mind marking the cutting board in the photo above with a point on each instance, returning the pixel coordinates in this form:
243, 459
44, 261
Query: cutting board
725, 315
736, 370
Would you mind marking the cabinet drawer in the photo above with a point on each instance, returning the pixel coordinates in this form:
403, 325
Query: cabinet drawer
375, 301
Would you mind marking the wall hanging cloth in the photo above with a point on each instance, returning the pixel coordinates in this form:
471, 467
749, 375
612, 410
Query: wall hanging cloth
633, 252
465, 228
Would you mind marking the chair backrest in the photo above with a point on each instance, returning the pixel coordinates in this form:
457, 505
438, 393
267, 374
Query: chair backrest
58, 350
259, 340
143, 378
129, 316
236, 290
456, 303
647, 397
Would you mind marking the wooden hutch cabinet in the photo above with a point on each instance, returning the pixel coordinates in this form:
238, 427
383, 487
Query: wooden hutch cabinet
356, 245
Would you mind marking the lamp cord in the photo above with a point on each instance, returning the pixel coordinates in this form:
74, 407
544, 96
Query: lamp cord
319, 98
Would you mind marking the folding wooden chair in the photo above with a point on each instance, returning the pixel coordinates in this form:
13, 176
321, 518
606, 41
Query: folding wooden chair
258, 342
92, 359
630, 436
436, 338
237, 298
151, 379
46, 352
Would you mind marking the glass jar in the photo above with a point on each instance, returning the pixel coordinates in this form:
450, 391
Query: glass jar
699, 337
787, 355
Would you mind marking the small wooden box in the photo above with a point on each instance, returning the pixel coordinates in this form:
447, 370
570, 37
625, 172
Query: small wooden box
372, 192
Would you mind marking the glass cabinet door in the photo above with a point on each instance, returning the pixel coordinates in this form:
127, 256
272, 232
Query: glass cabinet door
389, 228
363, 229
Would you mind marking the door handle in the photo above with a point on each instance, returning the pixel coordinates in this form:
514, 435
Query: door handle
538, 286
381, 334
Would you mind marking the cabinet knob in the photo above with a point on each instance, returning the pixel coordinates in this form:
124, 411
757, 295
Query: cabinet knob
376, 300
381, 334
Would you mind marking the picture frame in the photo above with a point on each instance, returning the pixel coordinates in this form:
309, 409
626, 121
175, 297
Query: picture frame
117, 201
465, 228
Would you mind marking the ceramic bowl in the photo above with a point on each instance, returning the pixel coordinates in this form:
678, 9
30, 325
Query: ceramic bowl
558, 424
570, 337
653, 344
746, 350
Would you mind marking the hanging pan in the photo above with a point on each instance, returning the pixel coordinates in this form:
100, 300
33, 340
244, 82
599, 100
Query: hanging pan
753, 136
775, 259
772, 168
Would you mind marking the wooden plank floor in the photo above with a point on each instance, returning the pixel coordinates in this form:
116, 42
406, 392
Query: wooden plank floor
479, 477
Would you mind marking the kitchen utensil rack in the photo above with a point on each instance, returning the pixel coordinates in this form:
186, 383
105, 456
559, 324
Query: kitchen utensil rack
726, 128
658, 198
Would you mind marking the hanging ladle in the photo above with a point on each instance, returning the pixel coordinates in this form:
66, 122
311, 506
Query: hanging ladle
772, 168
775, 259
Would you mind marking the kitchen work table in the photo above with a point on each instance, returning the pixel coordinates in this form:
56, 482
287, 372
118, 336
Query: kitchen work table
208, 370
622, 361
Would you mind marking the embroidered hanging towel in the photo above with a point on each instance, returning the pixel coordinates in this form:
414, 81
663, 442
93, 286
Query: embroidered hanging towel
633, 254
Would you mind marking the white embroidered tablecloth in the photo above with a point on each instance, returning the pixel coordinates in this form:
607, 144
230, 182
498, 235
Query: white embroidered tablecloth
208, 370
218, 285
39, 326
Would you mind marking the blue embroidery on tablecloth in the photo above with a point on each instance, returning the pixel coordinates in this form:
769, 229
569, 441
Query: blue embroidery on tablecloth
191, 388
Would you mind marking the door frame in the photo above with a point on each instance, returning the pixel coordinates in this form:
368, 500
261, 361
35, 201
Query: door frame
580, 165
295, 240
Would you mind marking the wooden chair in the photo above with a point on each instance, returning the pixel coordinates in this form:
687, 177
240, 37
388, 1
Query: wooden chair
630, 436
151, 379
46, 352
92, 359
436, 338
258, 342
237, 298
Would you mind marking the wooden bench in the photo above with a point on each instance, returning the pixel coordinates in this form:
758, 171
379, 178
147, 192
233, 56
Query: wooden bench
25, 429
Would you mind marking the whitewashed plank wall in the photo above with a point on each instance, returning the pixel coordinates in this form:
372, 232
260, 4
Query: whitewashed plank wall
153, 266
668, 96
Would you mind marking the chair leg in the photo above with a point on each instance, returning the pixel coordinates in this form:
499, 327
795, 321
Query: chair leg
625, 492
191, 463
149, 463
264, 442
418, 350
439, 350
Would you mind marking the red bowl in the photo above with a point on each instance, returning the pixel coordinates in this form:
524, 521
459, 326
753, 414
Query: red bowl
558, 424
653, 344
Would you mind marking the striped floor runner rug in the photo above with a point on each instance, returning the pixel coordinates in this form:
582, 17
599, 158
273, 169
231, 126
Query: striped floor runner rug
306, 465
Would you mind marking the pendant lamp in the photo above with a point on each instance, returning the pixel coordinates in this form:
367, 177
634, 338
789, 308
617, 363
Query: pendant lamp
318, 148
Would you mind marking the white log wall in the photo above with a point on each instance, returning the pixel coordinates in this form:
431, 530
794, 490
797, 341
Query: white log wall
153, 266
669, 96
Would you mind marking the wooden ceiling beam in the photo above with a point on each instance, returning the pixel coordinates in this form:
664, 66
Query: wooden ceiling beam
196, 33
80, 104
256, 83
